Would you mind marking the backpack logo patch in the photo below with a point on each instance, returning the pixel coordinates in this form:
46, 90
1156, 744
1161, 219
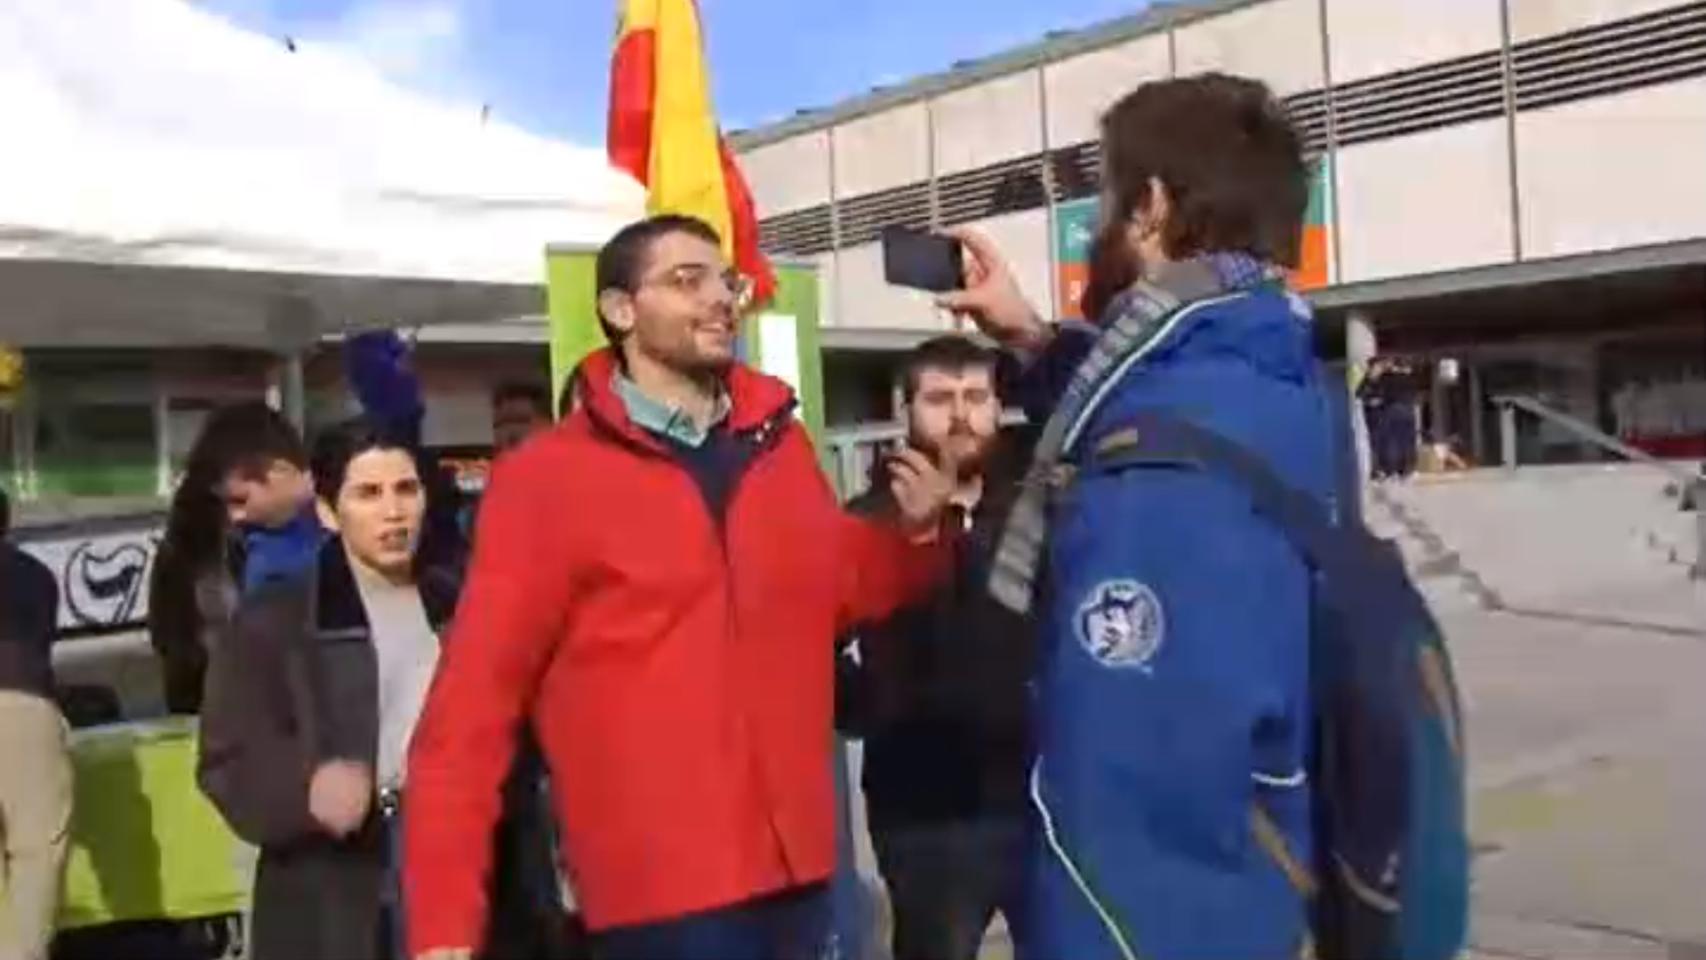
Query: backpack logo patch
1121, 624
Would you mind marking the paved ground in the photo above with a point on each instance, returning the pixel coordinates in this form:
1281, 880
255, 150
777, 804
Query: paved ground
1588, 772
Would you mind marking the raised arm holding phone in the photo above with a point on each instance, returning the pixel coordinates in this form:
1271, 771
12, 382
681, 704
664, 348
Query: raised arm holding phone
1175, 621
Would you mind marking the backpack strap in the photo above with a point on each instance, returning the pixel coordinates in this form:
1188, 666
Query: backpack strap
1162, 439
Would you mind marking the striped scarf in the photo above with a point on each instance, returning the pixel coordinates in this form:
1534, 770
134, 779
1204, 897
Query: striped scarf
1142, 317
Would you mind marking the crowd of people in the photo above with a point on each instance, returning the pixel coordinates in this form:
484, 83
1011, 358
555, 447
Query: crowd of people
599, 719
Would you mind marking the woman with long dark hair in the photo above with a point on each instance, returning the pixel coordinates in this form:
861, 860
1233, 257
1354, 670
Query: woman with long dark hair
192, 590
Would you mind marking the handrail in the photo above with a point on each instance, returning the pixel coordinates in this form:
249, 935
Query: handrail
1691, 488
1585, 432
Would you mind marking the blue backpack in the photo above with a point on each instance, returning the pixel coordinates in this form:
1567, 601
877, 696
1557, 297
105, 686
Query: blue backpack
1392, 848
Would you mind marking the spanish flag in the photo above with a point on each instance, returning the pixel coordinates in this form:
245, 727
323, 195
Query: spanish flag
664, 133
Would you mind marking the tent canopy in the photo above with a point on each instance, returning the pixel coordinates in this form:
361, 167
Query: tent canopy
170, 179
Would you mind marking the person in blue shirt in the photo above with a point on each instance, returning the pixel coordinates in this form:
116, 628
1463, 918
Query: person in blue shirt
259, 466
241, 517
1173, 697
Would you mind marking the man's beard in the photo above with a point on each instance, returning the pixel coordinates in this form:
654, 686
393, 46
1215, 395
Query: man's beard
687, 360
1113, 268
970, 465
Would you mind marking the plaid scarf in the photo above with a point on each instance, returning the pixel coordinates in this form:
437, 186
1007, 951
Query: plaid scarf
1141, 319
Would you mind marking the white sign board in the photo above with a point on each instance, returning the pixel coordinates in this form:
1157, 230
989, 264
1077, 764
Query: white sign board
102, 574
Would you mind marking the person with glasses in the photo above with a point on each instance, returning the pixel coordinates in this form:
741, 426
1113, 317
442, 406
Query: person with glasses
658, 584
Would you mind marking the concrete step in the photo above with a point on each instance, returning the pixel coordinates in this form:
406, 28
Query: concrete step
1573, 540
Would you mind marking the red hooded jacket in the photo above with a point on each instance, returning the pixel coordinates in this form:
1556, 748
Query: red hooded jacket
677, 669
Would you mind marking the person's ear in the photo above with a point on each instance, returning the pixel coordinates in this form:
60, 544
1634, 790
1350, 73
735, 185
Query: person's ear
617, 309
1160, 209
328, 516
1148, 222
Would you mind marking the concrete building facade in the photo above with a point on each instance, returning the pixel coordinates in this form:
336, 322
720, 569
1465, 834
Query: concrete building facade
1514, 183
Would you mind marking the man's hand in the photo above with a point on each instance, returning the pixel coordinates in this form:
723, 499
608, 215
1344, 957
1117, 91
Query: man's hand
339, 796
921, 490
447, 953
992, 297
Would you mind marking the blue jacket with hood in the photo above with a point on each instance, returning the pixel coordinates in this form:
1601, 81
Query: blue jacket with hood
1175, 687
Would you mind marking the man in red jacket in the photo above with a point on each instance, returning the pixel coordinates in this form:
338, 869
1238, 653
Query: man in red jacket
657, 584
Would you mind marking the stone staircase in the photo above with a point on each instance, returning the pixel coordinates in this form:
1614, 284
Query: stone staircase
1576, 541
1577, 634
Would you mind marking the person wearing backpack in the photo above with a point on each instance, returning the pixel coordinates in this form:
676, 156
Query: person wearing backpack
1177, 738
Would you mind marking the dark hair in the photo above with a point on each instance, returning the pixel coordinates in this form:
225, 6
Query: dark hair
951, 353
194, 542
623, 259
196, 522
533, 394
1112, 270
1229, 157
247, 438
338, 445
5, 513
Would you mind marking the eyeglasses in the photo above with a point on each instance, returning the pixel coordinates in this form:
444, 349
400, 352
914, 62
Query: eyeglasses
700, 280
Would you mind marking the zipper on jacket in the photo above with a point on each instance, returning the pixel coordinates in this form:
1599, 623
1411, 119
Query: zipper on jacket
764, 439
1058, 849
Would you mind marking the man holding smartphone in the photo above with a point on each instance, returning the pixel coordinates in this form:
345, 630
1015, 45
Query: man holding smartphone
938, 691
1171, 782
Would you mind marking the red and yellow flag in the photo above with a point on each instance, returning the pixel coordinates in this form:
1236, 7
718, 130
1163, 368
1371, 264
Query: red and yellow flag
664, 132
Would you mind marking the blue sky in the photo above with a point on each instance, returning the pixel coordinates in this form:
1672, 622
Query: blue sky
543, 63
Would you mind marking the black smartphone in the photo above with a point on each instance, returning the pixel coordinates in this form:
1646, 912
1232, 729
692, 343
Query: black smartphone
922, 260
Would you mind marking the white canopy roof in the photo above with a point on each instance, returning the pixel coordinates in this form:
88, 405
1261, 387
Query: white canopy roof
168, 178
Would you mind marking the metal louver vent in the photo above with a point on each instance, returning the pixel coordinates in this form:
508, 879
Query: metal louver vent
1076, 171
863, 218
1308, 113
799, 233
1658, 47
1410, 101
1655, 48
991, 191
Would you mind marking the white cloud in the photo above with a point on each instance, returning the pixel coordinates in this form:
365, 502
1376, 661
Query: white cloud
418, 42
250, 13
421, 44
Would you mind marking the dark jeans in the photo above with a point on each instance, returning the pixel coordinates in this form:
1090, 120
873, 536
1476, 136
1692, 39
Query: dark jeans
793, 925
1392, 434
946, 882
393, 929
853, 910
